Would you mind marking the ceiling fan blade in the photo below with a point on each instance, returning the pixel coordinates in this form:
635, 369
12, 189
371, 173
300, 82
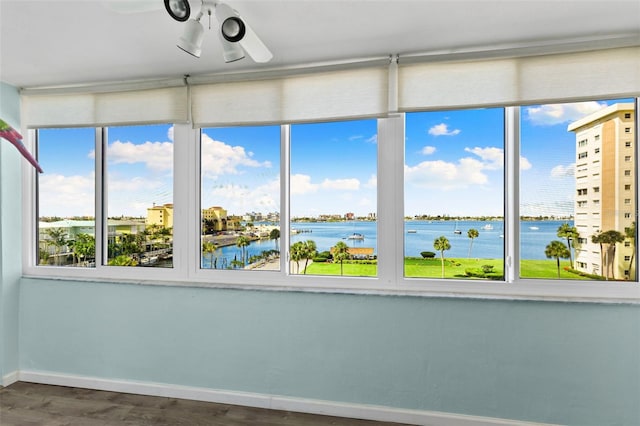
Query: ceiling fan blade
251, 43
133, 6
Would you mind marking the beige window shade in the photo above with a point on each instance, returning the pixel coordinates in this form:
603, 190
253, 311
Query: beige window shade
164, 105
344, 94
513, 81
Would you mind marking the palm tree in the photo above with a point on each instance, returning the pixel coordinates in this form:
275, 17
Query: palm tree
243, 242
472, 233
295, 254
570, 233
611, 238
275, 235
441, 244
340, 253
557, 250
210, 248
308, 252
630, 233
58, 238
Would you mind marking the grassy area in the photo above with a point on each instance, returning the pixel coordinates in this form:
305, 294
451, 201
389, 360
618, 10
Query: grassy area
454, 268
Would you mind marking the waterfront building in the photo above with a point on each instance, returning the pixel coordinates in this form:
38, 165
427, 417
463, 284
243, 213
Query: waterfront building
605, 187
215, 218
160, 215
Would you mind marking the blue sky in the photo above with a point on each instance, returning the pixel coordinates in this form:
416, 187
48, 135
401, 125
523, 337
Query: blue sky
454, 165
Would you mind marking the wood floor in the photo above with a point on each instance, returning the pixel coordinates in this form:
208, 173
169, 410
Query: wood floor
28, 404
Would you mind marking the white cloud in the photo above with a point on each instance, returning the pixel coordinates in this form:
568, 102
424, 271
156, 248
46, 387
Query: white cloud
372, 182
428, 150
66, 196
218, 158
239, 199
157, 156
301, 184
341, 184
445, 175
492, 157
551, 114
561, 171
373, 139
442, 129
524, 163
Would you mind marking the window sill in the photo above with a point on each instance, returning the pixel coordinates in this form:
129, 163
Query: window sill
526, 290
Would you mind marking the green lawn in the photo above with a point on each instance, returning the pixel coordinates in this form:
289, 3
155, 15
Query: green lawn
454, 268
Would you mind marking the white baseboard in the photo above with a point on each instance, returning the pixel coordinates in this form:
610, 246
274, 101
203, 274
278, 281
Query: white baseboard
9, 379
274, 402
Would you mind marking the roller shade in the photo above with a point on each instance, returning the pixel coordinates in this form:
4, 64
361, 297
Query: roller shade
524, 80
343, 94
162, 105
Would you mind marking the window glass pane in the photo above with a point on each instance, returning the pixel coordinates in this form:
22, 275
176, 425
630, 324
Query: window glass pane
240, 198
139, 186
333, 198
66, 200
454, 194
577, 191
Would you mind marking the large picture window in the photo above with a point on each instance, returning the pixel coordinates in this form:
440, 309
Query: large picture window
524, 196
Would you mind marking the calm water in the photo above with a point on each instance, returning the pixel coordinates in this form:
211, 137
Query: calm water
535, 236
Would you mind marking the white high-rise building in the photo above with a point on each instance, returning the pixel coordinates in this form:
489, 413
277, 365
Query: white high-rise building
605, 189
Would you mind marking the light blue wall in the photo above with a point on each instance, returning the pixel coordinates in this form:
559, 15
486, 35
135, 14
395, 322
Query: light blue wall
548, 362
10, 236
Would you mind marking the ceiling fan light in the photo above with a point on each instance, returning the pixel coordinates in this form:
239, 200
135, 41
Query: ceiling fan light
191, 40
233, 29
178, 9
231, 51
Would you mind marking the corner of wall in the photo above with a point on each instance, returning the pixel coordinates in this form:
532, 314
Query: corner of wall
10, 238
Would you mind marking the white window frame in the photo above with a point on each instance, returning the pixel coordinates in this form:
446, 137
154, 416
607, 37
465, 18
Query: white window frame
390, 279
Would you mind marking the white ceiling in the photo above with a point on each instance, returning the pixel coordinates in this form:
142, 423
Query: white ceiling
57, 42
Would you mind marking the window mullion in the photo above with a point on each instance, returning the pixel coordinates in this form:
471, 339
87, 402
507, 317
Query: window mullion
101, 227
390, 216
511, 188
285, 213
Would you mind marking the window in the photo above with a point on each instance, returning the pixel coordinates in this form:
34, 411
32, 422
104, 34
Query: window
572, 238
333, 193
139, 189
274, 204
596, 151
66, 197
240, 198
454, 194
627, 144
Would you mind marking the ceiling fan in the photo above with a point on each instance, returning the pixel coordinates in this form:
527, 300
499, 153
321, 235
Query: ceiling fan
235, 35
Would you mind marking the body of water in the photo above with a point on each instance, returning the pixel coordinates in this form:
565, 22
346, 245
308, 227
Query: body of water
418, 235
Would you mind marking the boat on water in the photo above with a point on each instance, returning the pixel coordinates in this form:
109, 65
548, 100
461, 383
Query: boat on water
411, 231
456, 230
356, 236
534, 228
487, 227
